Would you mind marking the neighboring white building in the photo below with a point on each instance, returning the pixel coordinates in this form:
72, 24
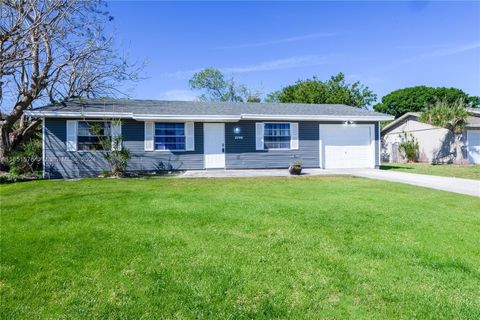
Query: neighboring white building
436, 144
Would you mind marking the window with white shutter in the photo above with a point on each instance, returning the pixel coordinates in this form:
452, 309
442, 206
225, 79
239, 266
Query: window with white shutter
294, 135
259, 126
189, 136
71, 135
149, 134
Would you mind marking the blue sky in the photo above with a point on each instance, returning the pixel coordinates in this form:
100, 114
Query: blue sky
266, 45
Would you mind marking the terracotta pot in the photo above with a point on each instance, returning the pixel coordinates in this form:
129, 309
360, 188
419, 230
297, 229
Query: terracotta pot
295, 169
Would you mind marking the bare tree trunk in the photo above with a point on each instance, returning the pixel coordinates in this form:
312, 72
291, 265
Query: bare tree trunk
4, 147
52, 51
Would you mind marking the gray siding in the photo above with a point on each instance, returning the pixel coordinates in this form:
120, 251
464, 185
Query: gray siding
240, 153
134, 134
60, 163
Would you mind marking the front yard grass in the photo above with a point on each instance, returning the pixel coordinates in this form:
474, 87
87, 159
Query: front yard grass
446, 170
325, 247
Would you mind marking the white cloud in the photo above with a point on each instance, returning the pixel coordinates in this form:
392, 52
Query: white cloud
178, 95
182, 74
292, 62
279, 64
434, 53
455, 50
279, 41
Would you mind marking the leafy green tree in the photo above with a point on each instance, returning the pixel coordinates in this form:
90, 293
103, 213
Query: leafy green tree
474, 101
452, 116
416, 99
217, 88
335, 90
273, 96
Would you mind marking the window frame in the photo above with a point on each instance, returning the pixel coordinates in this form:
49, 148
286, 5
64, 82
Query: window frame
88, 121
168, 150
277, 122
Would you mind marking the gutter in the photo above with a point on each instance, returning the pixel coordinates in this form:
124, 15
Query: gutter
200, 118
315, 117
65, 114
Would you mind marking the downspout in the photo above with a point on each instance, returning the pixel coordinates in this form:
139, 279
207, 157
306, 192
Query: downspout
379, 145
43, 147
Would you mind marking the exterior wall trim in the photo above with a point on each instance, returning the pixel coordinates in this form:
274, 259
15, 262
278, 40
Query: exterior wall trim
57, 114
187, 118
43, 148
129, 115
205, 118
314, 118
379, 143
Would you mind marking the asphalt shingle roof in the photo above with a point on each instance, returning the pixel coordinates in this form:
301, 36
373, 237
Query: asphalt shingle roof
156, 107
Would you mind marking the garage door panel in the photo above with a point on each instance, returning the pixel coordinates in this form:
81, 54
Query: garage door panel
346, 146
473, 138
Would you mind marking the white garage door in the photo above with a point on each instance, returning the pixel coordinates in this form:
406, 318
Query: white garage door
473, 137
347, 146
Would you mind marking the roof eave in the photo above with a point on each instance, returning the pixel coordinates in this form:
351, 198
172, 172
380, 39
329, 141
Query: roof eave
70, 114
315, 117
398, 120
214, 118
203, 118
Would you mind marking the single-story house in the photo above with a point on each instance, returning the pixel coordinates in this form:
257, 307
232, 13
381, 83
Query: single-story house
436, 144
183, 135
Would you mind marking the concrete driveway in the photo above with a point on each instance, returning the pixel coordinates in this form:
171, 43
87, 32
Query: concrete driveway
457, 185
463, 186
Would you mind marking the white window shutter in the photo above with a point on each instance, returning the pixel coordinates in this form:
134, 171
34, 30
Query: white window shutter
259, 135
116, 128
294, 135
149, 134
189, 136
71, 135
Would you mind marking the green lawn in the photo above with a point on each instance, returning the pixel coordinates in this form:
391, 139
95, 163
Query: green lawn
446, 170
326, 247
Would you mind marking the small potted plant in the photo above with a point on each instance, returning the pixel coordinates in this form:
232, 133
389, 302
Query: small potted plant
295, 168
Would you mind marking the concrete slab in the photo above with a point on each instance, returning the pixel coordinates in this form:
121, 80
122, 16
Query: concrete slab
456, 185
220, 173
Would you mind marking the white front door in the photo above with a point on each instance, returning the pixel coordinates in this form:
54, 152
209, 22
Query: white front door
347, 146
473, 141
214, 145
